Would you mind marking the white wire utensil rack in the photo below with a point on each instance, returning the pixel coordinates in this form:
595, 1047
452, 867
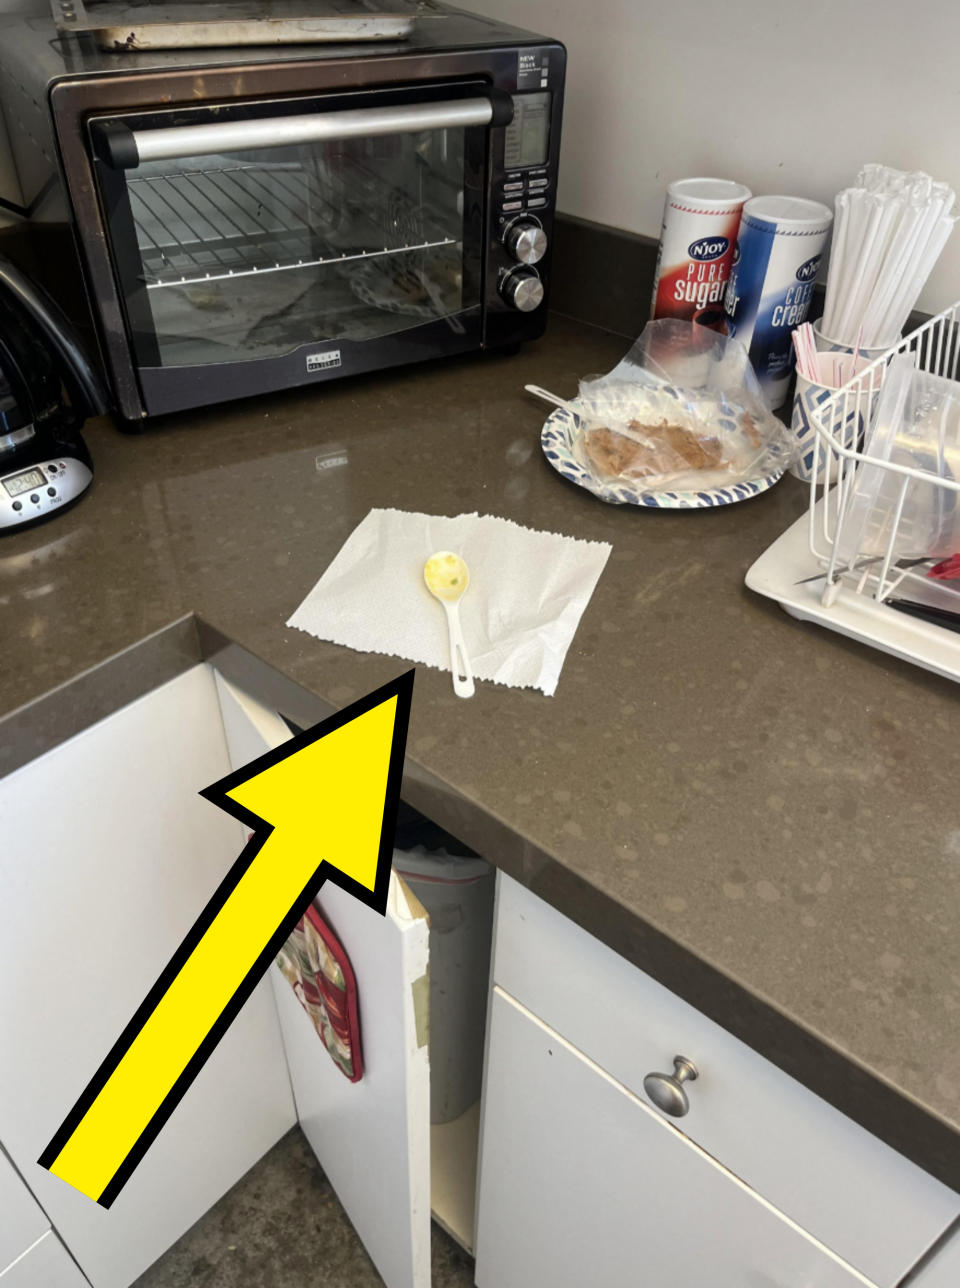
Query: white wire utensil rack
841, 423
829, 567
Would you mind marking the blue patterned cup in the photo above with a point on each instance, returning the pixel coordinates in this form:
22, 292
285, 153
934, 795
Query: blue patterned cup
849, 416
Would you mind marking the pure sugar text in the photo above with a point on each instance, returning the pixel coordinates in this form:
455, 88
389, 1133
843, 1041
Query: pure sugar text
704, 283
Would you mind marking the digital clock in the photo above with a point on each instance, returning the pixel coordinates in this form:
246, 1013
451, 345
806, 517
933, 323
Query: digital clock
41, 489
26, 481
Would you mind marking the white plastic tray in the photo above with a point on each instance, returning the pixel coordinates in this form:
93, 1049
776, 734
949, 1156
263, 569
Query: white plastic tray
788, 562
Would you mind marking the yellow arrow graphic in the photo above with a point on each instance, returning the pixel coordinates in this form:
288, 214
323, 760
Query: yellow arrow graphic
321, 806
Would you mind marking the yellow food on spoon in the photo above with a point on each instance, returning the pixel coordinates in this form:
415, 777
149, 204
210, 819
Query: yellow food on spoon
446, 575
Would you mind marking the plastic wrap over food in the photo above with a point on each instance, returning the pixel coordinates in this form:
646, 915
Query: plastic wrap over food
683, 411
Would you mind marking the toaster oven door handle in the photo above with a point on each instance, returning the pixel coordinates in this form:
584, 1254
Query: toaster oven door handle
125, 149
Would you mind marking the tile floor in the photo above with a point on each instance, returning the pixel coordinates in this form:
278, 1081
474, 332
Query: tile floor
281, 1226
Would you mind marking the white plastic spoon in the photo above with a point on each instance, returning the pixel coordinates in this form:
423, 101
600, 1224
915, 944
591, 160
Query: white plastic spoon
447, 579
547, 396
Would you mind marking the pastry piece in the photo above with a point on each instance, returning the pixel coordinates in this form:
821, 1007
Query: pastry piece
695, 451
608, 453
656, 451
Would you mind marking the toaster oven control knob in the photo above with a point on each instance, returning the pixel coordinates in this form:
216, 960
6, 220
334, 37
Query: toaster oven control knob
526, 241
522, 289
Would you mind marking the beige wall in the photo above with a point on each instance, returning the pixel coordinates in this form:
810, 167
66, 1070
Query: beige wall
785, 97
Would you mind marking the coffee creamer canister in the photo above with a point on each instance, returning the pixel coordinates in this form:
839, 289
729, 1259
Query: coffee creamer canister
701, 219
780, 245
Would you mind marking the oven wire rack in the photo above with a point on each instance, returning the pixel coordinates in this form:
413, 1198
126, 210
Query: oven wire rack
209, 225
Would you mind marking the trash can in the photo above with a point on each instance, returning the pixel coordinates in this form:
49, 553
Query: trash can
457, 892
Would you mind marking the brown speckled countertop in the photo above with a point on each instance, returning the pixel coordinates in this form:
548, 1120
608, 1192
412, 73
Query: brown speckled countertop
759, 813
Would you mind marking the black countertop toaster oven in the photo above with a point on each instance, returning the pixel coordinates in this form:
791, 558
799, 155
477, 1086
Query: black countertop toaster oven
257, 218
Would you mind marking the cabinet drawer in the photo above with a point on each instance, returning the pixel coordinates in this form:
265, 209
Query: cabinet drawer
22, 1221
860, 1198
581, 1183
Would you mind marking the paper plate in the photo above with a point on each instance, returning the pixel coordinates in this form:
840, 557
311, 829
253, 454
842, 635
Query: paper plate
557, 438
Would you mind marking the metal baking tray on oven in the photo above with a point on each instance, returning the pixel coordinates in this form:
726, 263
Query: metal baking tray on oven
118, 25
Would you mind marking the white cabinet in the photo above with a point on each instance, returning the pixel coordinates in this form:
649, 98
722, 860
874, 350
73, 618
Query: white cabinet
21, 1221
47, 1264
389, 1167
372, 1137
849, 1191
109, 855
582, 1183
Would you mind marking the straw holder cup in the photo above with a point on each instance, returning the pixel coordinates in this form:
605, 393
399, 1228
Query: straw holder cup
835, 370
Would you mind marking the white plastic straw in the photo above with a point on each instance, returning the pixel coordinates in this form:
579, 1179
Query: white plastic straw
889, 232
910, 222
837, 257
869, 265
904, 301
807, 361
856, 349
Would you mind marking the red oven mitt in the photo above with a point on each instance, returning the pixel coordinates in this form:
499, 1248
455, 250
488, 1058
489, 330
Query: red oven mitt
319, 971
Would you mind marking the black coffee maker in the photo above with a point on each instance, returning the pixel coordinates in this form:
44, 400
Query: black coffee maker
48, 388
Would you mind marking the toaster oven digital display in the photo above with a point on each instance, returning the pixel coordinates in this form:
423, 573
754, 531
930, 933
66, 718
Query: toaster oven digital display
17, 483
527, 135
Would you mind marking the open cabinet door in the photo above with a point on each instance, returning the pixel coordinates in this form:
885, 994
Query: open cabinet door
371, 1137
108, 854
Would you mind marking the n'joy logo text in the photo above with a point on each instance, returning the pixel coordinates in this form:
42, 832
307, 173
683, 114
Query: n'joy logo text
708, 248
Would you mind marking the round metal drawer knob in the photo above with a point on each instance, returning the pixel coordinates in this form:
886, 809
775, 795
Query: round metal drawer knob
666, 1089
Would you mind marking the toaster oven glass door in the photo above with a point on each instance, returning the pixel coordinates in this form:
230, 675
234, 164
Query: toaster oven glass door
228, 257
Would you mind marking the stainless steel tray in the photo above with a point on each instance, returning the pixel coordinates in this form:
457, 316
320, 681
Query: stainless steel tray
152, 24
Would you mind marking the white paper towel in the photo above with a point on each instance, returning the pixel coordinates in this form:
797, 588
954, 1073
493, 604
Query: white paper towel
527, 592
